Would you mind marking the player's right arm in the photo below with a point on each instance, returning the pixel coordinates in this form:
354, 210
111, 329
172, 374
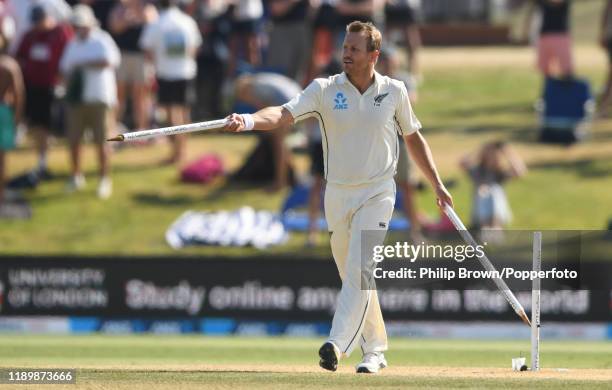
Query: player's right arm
271, 118
268, 118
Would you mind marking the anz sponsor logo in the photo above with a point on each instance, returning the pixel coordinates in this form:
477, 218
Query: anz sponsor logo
340, 101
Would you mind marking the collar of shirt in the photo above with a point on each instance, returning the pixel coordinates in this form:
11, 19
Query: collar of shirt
378, 81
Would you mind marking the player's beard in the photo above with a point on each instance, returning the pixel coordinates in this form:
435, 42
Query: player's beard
355, 68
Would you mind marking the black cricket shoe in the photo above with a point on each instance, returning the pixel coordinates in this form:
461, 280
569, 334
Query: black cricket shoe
329, 356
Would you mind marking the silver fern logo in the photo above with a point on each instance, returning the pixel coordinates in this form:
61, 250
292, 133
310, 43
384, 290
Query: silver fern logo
378, 99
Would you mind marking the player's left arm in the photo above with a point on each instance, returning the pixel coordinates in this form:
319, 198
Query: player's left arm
419, 150
408, 126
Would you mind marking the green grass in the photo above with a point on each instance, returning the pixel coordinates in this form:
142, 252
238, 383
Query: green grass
460, 106
191, 361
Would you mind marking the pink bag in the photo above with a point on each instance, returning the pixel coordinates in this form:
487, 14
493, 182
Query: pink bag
203, 169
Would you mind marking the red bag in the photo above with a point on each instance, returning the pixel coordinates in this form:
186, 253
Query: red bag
203, 169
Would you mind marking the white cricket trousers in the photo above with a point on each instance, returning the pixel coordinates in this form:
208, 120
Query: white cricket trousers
350, 211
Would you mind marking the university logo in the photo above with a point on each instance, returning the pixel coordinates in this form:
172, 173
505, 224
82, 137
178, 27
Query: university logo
340, 101
378, 99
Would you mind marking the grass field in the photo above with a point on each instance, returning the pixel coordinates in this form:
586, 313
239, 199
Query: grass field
176, 362
464, 102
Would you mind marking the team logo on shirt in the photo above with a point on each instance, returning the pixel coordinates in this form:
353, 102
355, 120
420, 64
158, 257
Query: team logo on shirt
340, 101
378, 99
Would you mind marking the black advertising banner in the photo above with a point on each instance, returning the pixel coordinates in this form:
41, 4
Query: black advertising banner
261, 288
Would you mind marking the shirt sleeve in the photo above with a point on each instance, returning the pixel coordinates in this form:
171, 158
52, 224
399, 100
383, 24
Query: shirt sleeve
66, 60
196, 37
404, 116
306, 102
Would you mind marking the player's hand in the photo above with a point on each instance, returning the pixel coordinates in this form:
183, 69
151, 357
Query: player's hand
235, 123
443, 197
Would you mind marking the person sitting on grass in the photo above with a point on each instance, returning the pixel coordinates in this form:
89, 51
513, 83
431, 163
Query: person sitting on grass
490, 208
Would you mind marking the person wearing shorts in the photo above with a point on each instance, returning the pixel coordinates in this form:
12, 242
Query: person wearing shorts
135, 74
388, 64
89, 64
246, 21
39, 54
171, 43
554, 44
404, 16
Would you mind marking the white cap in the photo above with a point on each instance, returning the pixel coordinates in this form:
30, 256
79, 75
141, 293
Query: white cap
83, 16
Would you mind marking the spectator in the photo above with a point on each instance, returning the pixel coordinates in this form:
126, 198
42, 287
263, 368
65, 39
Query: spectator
39, 54
89, 64
289, 37
606, 42
8, 21
172, 43
317, 172
244, 37
261, 90
317, 164
351, 10
215, 25
554, 42
100, 8
490, 208
11, 105
388, 65
22, 10
403, 16
323, 39
127, 21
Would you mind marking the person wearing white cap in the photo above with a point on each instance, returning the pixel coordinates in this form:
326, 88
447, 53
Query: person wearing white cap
89, 64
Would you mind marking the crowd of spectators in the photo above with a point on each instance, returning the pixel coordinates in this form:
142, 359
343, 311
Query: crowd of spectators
91, 68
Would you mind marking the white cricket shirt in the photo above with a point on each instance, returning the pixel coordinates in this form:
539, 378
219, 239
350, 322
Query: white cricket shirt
359, 132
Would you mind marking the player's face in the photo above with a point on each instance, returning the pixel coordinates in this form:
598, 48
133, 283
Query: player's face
355, 56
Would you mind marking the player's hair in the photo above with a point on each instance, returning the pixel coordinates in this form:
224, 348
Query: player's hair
373, 35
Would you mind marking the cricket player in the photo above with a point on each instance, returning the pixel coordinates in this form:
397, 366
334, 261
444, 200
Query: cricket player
360, 114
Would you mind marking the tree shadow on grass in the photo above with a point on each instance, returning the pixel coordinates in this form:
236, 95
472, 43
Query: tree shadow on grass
588, 168
504, 108
232, 186
156, 199
138, 167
